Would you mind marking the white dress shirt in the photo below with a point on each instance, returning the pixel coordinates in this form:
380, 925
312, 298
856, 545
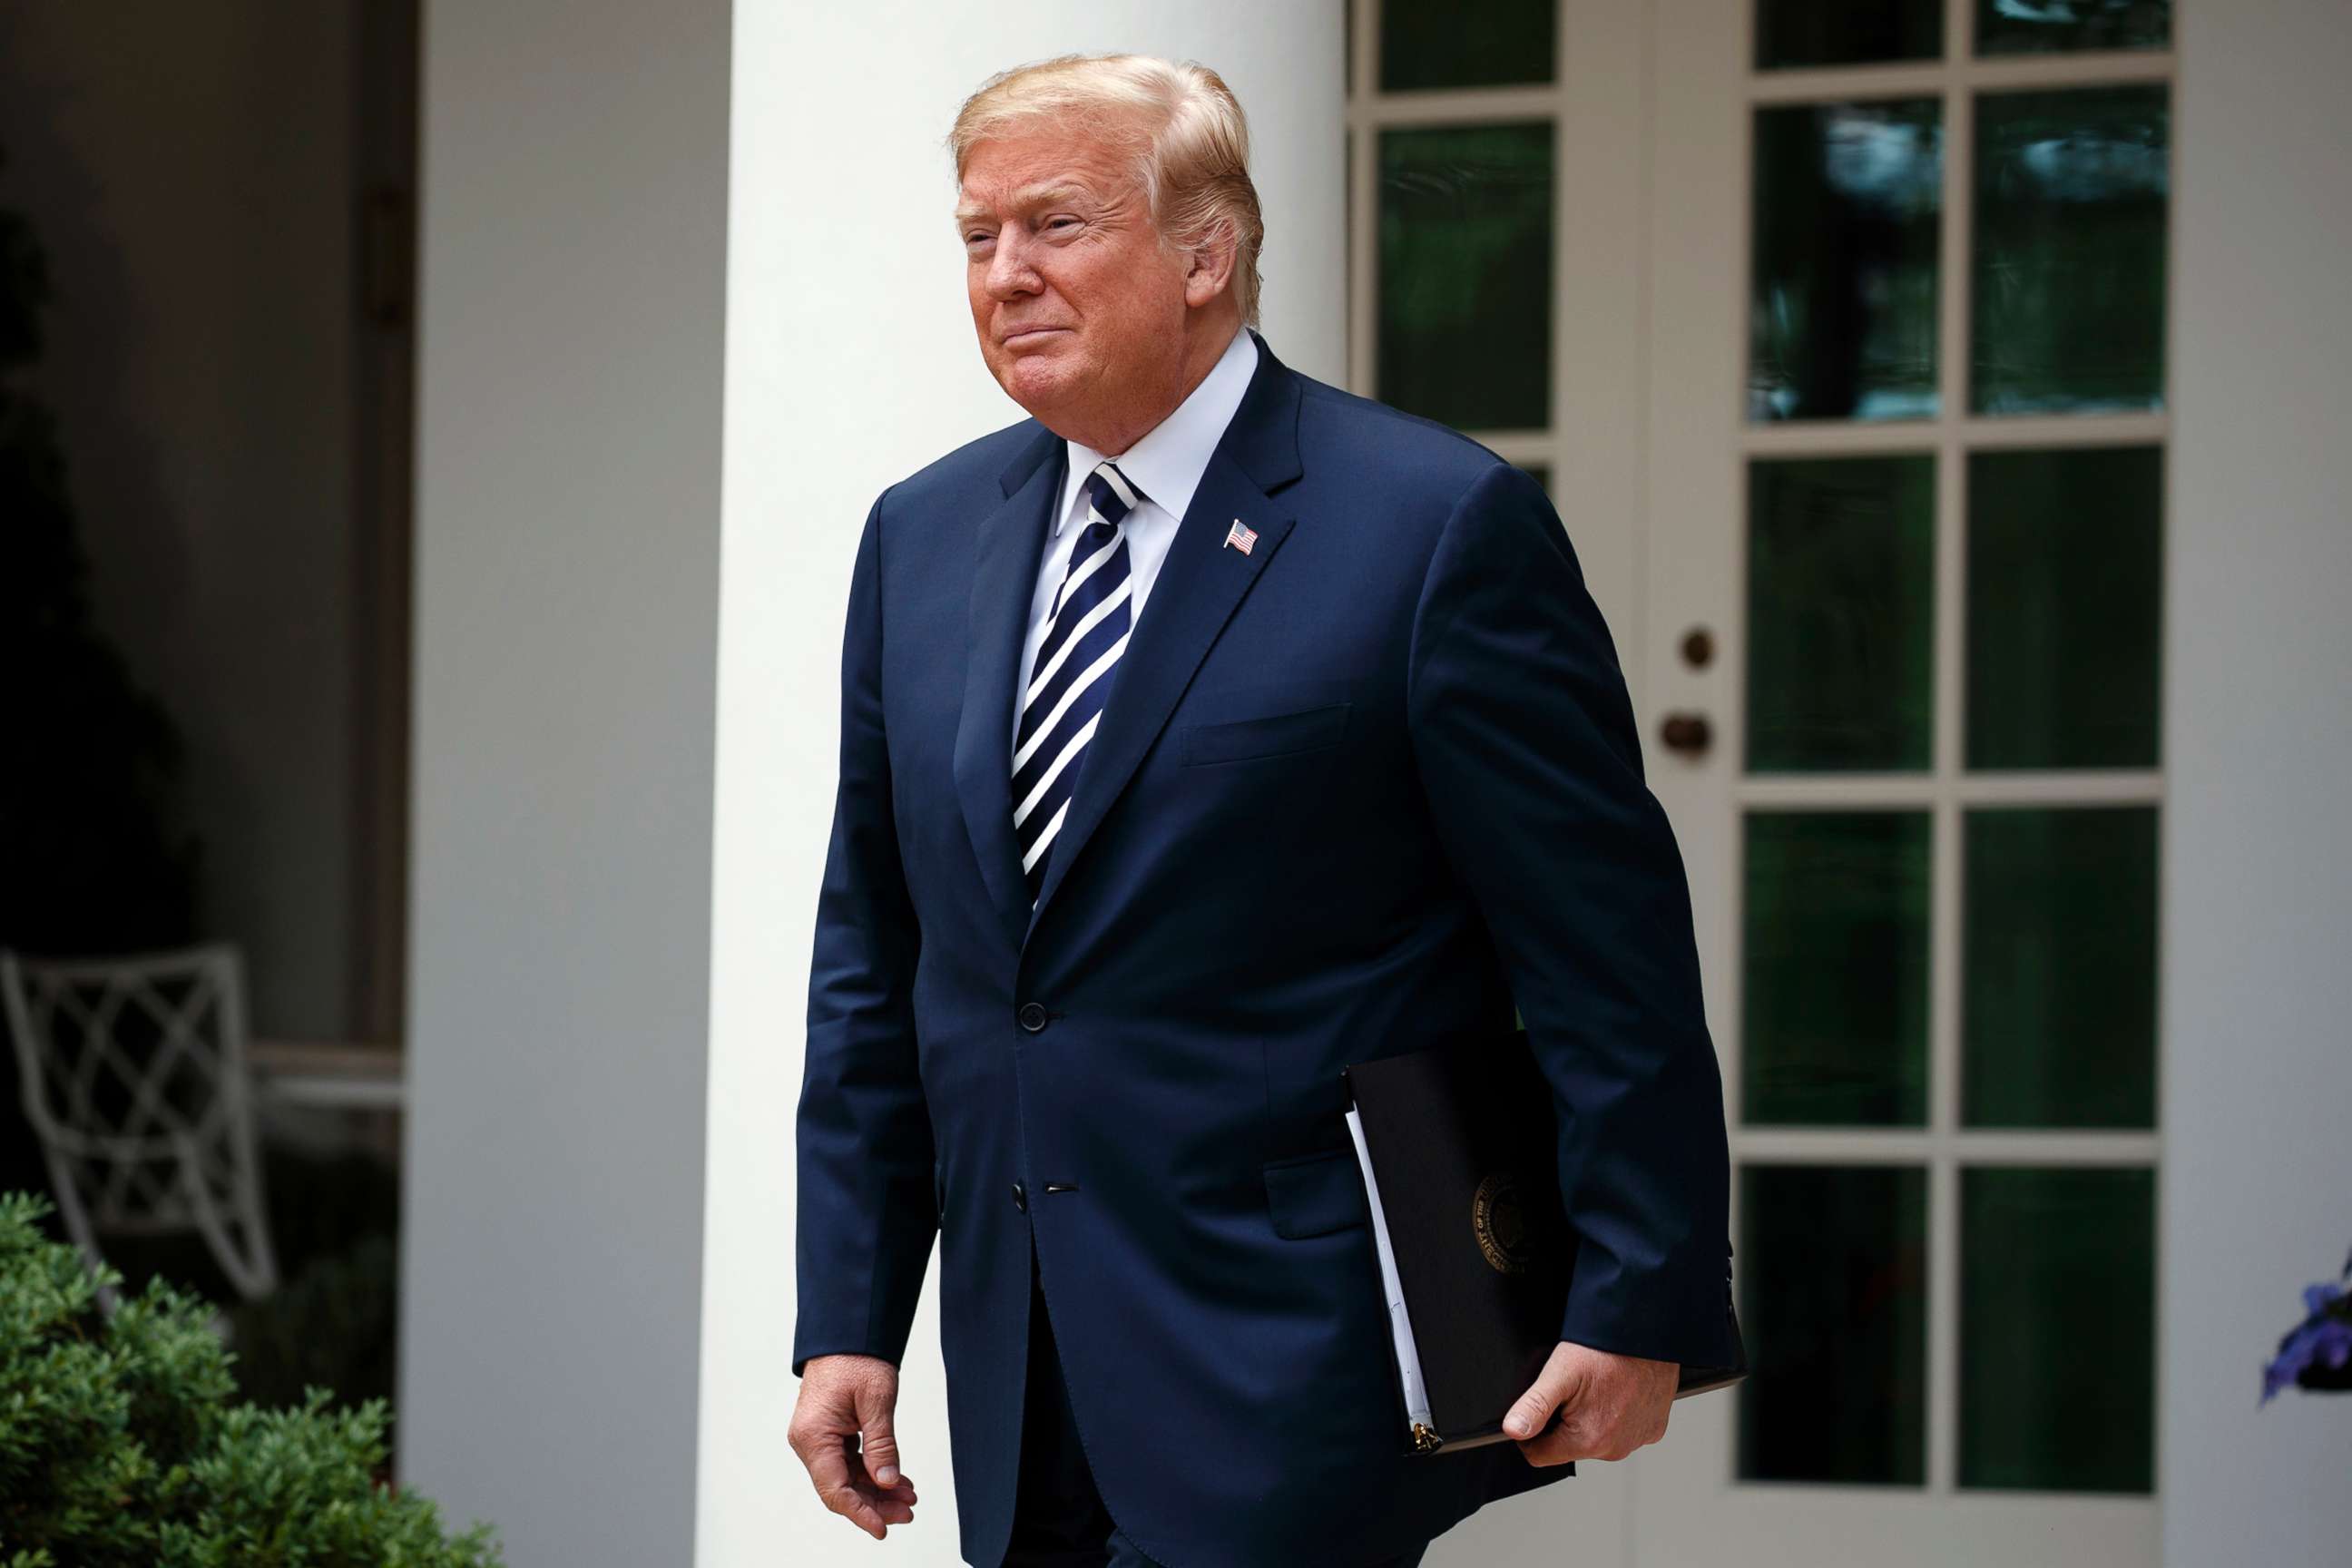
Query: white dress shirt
1165, 465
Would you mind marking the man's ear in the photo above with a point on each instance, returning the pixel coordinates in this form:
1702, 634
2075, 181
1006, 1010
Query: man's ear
1212, 269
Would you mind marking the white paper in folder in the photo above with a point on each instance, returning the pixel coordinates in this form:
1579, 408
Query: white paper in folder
1417, 1398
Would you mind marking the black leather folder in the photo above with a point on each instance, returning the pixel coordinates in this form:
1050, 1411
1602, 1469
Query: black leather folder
1458, 1145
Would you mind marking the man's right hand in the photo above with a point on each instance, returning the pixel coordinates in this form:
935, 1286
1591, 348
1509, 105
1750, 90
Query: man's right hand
847, 1401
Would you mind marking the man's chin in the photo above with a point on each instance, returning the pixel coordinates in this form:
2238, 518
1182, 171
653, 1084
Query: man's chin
1038, 380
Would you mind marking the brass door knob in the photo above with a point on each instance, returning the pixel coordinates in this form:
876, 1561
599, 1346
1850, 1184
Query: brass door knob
1689, 733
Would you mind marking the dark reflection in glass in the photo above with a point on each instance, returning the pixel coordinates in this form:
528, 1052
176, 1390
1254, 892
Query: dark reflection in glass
2070, 192
1849, 199
2046, 26
1834, 968
1465, 274
2065, 603
1467, 43
2058, 1329
1846, 32
1833, 1312
2058, 972
1543, 473
1841, 613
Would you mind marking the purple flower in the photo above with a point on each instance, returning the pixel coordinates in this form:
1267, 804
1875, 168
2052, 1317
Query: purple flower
2322, 1338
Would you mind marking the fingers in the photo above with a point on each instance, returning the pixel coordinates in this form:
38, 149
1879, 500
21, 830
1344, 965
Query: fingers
893, 1504
1605, 1405
1555, 1388
1534, 1410
856, 1496
829, 1469
843, 1430
885, 1488
880, 1437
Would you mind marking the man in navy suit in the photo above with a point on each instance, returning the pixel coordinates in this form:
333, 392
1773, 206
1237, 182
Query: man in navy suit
1206, 730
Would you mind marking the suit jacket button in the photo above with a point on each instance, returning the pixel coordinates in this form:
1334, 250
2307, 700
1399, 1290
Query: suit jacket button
1032, 1016
1021, 1197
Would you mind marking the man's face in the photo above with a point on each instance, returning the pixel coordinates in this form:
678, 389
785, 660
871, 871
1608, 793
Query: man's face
1079, 307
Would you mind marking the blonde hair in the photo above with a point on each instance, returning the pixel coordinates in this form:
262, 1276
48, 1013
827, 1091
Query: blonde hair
1190, 140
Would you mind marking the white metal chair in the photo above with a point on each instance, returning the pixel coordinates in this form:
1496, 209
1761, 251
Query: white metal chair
134, 1079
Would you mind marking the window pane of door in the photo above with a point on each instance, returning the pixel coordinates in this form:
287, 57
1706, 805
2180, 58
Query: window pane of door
2065, 599
1465, 227
1833, 1310
1841, 613
2041, 26
1848, 202
2058, 1011
2071, 196
2057, 1328
1834, 975
1467, 43
1846, 32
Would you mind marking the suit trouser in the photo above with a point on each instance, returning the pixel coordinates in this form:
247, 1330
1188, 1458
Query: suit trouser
1058, 1517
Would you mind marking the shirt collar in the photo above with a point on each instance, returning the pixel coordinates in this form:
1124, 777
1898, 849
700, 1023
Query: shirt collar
1166, 463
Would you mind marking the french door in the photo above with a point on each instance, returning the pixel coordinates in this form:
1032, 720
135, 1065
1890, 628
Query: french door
1837, 331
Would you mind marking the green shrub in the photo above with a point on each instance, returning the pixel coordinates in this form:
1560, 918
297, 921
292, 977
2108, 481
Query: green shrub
118, 1446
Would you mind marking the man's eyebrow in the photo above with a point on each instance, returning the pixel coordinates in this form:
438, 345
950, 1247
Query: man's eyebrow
1027, 196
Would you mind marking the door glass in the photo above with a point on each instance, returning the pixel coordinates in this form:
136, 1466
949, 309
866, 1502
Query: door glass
1465, 238
1833, 1312
1834, 990
1841, 613
1846, 32
2065, 596
1465, 43
2041, 26
1848, 203
2068, 277
2058, 1005
2057, 1328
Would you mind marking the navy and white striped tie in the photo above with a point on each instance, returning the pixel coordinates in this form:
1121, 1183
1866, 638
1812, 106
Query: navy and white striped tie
1085, 633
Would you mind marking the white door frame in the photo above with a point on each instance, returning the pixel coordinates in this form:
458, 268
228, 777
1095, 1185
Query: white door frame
1702, 95
1651, 105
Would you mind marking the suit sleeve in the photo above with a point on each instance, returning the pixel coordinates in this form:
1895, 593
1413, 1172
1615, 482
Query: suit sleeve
867, 1210
1525, 739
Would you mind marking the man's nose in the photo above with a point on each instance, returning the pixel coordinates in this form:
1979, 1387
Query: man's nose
1009, 271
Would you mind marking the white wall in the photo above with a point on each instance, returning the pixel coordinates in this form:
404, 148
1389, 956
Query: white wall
850, 362
188, 171
2258, 745
573, 256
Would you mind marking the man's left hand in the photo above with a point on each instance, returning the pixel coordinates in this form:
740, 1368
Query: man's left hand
1608, 1405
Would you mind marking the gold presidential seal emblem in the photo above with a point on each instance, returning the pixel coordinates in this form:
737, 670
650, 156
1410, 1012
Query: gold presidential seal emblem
1500, 1224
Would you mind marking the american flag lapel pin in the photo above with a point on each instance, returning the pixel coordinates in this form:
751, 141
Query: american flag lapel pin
1241, 536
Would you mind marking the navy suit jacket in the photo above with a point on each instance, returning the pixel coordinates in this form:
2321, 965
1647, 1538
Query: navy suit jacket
1355, 791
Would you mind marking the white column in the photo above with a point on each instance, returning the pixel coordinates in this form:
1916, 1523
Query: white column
573, 254
2258, 746
627, 657
851, 362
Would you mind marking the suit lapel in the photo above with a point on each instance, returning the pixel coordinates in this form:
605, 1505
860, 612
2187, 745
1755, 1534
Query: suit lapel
1199, 583
1009, 542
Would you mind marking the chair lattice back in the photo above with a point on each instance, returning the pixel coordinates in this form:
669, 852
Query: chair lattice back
133, 1077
